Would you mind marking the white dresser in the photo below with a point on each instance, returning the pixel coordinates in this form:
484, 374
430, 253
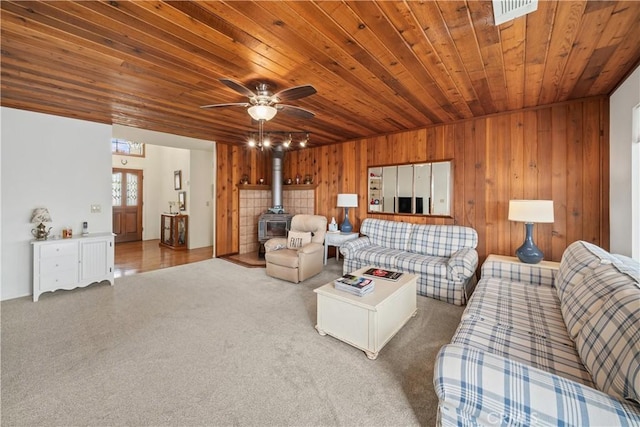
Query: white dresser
72, 263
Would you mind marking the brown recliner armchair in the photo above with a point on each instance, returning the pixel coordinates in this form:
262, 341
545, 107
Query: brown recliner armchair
301, 254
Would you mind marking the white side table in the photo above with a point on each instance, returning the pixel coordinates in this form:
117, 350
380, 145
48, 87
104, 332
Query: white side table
551, 265
337, 239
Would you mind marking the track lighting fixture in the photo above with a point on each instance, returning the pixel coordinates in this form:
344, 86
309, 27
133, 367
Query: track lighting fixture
286, 139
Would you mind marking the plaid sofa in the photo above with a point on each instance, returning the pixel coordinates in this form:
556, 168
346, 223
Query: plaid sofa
538, 348
443, 256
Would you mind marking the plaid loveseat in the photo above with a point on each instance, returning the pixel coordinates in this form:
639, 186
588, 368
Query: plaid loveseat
536, 347
443, 256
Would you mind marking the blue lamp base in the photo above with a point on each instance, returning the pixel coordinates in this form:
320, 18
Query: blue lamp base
529, 253
346, 226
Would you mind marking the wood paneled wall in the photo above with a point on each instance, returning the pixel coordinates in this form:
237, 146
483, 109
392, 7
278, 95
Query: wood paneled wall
558, 152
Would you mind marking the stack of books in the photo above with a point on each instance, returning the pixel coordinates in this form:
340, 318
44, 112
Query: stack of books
355, 285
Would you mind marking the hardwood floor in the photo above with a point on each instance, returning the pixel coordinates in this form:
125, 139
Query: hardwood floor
138, 257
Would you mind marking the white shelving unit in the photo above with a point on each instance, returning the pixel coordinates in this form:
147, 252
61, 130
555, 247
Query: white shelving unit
375, 191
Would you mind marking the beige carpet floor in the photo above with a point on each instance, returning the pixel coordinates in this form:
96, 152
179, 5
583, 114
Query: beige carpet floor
207, 344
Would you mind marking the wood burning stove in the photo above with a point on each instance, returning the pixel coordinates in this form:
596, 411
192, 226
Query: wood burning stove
275, 222
272, 225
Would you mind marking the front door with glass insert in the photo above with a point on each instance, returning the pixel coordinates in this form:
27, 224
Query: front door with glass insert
126, 198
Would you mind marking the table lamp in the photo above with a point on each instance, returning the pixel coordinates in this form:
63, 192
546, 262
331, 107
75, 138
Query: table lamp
347, 201
530, 212
40, 216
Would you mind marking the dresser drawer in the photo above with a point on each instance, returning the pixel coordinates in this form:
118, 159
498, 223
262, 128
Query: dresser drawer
59, 249
58, 279
59, 263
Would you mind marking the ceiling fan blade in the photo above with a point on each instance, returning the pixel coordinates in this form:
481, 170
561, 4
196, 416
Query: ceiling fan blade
238, 87
296, 92
232, 104
295, 111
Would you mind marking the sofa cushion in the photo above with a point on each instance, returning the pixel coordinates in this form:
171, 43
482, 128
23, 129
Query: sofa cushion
522, 306
422, 264
629, 266
609, 344
533, 274
387, 234
577, 260
378, 256
524, 347
441, 240
587, 296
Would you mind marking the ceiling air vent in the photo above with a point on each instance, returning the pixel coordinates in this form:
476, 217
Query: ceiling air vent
506, 10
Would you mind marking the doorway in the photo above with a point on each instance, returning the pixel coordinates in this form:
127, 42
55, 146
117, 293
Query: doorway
126, 190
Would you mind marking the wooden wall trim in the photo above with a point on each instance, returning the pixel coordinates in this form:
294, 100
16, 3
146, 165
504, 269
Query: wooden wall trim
558, 152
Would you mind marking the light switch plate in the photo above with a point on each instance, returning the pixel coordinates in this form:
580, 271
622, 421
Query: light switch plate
96, 208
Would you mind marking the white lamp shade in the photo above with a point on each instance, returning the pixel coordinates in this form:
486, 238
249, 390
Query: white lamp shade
531, 211
40, 215
262, 112
347, 200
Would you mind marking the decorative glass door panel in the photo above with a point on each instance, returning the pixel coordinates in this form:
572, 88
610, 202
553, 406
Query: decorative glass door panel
126, 200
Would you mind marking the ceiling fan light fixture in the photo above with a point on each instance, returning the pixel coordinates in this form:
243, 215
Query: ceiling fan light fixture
262, 112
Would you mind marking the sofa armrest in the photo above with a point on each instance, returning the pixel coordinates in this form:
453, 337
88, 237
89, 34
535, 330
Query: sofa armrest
534, 274
462, 264
487, 389
347, 249
275, 244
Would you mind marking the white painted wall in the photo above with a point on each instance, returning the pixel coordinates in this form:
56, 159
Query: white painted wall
442, 189
166, 153
65, 165
624, 174
158, 166
171, 160
60, 163
200, 199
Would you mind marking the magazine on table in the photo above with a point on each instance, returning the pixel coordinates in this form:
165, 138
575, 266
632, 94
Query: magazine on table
357, 282
353, 290
383, 273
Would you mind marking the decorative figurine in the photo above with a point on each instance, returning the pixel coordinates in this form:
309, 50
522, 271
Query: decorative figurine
40, 216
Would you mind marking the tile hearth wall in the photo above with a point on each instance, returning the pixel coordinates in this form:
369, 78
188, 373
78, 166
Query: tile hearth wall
255, 202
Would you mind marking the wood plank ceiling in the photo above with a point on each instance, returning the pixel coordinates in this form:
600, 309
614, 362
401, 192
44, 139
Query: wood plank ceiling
378, 67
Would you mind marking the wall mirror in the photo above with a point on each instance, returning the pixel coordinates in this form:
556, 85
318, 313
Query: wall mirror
418, 188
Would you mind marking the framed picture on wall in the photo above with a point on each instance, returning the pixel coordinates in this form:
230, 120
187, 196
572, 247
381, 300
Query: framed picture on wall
182, 200
177, 180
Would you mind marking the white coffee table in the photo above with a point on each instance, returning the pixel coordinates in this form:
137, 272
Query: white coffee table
367, 322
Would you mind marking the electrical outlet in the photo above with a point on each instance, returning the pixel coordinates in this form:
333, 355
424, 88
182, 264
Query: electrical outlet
96, 208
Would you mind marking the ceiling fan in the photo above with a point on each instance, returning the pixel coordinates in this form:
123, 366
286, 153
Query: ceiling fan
263, 104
